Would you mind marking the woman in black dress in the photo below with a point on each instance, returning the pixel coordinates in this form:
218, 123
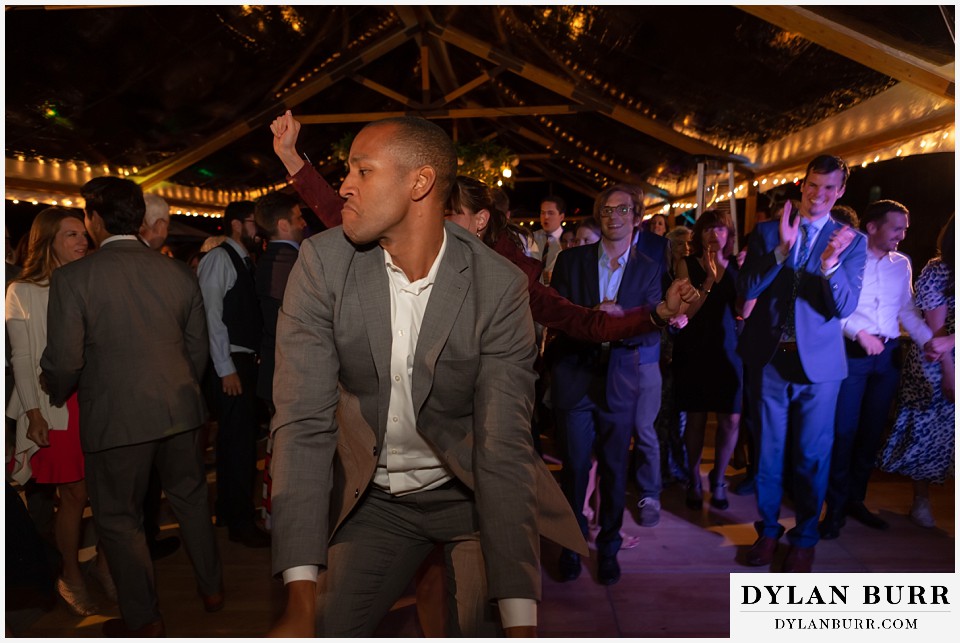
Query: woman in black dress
708, 372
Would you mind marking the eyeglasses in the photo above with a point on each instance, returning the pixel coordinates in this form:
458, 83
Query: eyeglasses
621, 210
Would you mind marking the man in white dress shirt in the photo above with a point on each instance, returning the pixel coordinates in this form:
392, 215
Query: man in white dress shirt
872, 339
403, 391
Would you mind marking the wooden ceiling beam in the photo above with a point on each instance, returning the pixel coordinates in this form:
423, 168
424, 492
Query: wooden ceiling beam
570, 90
386, 91
485, 77
155, 174
439, 114
623, 177
858, 47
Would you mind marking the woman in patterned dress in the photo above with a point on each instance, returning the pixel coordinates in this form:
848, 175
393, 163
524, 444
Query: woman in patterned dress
921, 443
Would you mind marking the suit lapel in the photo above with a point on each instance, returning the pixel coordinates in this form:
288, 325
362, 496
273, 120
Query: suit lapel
374, 295
592, 273
446, 299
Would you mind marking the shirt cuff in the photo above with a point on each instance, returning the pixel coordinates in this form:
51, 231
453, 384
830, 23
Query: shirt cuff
829, 273
302, 572
517, 612
225, 367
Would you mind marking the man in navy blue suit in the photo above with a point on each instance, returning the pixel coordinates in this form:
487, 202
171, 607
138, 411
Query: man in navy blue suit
805, 272
603, 393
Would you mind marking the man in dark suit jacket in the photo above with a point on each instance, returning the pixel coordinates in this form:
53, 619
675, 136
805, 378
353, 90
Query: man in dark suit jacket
278, 215
605, 393
805, 271
403, 390
113, 317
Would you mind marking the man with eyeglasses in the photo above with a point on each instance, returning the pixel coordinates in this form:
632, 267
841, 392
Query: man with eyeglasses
604, 393
235, 325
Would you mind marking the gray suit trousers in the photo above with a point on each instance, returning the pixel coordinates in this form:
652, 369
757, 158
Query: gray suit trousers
375, 553
117, 481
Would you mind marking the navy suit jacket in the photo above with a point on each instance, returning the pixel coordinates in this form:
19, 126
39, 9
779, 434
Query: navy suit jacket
821, 301
577, 366
270, 280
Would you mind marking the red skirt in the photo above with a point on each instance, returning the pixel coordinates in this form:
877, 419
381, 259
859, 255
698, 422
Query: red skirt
62, 461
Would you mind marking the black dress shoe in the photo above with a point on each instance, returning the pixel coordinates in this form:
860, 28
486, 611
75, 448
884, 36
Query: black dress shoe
250, 536
860, 513
608, 571
829, 529
162, 547
569, 565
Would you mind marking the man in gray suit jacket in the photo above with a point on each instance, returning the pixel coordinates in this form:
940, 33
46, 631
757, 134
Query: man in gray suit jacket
403, 389
126, 326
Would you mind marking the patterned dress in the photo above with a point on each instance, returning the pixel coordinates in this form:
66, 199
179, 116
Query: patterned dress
921, 444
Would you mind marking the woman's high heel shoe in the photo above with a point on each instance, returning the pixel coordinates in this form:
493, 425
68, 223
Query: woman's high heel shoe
718, 494
77, 597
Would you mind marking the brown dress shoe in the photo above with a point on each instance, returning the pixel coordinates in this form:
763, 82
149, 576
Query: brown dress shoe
799, 560
213, 603
116, 628
762, 552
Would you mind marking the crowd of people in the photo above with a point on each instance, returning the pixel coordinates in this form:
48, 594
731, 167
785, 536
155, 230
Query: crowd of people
396, 359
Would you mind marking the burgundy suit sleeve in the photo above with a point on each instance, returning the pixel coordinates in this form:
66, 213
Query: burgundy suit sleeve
318, 195
554, 311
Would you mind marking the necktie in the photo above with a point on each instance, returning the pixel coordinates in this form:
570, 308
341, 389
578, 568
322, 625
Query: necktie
546, 251
790, 328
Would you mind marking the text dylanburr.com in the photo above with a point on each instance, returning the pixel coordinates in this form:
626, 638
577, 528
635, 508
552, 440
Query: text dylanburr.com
852, 606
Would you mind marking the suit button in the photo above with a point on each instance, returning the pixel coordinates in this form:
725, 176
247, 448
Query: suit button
356, 493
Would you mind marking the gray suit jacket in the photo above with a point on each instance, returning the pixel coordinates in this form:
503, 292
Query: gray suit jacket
126, 324
472, 386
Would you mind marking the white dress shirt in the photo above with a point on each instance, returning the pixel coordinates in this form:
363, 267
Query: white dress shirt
408, 463
886, 301
216, 275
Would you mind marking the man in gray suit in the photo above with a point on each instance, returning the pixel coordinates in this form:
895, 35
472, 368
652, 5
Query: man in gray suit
403, 389
115, 317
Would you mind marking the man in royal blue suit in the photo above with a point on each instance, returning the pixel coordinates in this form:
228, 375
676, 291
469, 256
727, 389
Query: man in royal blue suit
603, 394
805, 272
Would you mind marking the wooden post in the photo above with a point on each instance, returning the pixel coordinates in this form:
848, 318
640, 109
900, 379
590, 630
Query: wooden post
731, 184
701, 189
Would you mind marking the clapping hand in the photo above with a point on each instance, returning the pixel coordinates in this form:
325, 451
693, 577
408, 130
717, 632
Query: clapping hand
789, 230
840, 240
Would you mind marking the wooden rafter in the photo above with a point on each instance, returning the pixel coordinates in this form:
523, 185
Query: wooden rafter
556, 177
386, 91
574, 92
592, 163
858, 47
485, 77
159, 172
438, 114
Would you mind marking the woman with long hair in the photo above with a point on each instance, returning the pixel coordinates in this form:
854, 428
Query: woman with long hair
705, 356
48, 437
921, 442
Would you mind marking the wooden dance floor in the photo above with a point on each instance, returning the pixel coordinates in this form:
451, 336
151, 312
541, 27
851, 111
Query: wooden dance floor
675, 580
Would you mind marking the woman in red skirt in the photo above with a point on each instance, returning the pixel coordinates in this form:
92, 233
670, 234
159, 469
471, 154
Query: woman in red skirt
48, 437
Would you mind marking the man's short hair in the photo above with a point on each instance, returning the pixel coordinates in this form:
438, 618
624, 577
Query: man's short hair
876, 212
635, 192
119, 202
553, 198
825, 164
237, 211
272, 207
418, 142
157, 209
846, 215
